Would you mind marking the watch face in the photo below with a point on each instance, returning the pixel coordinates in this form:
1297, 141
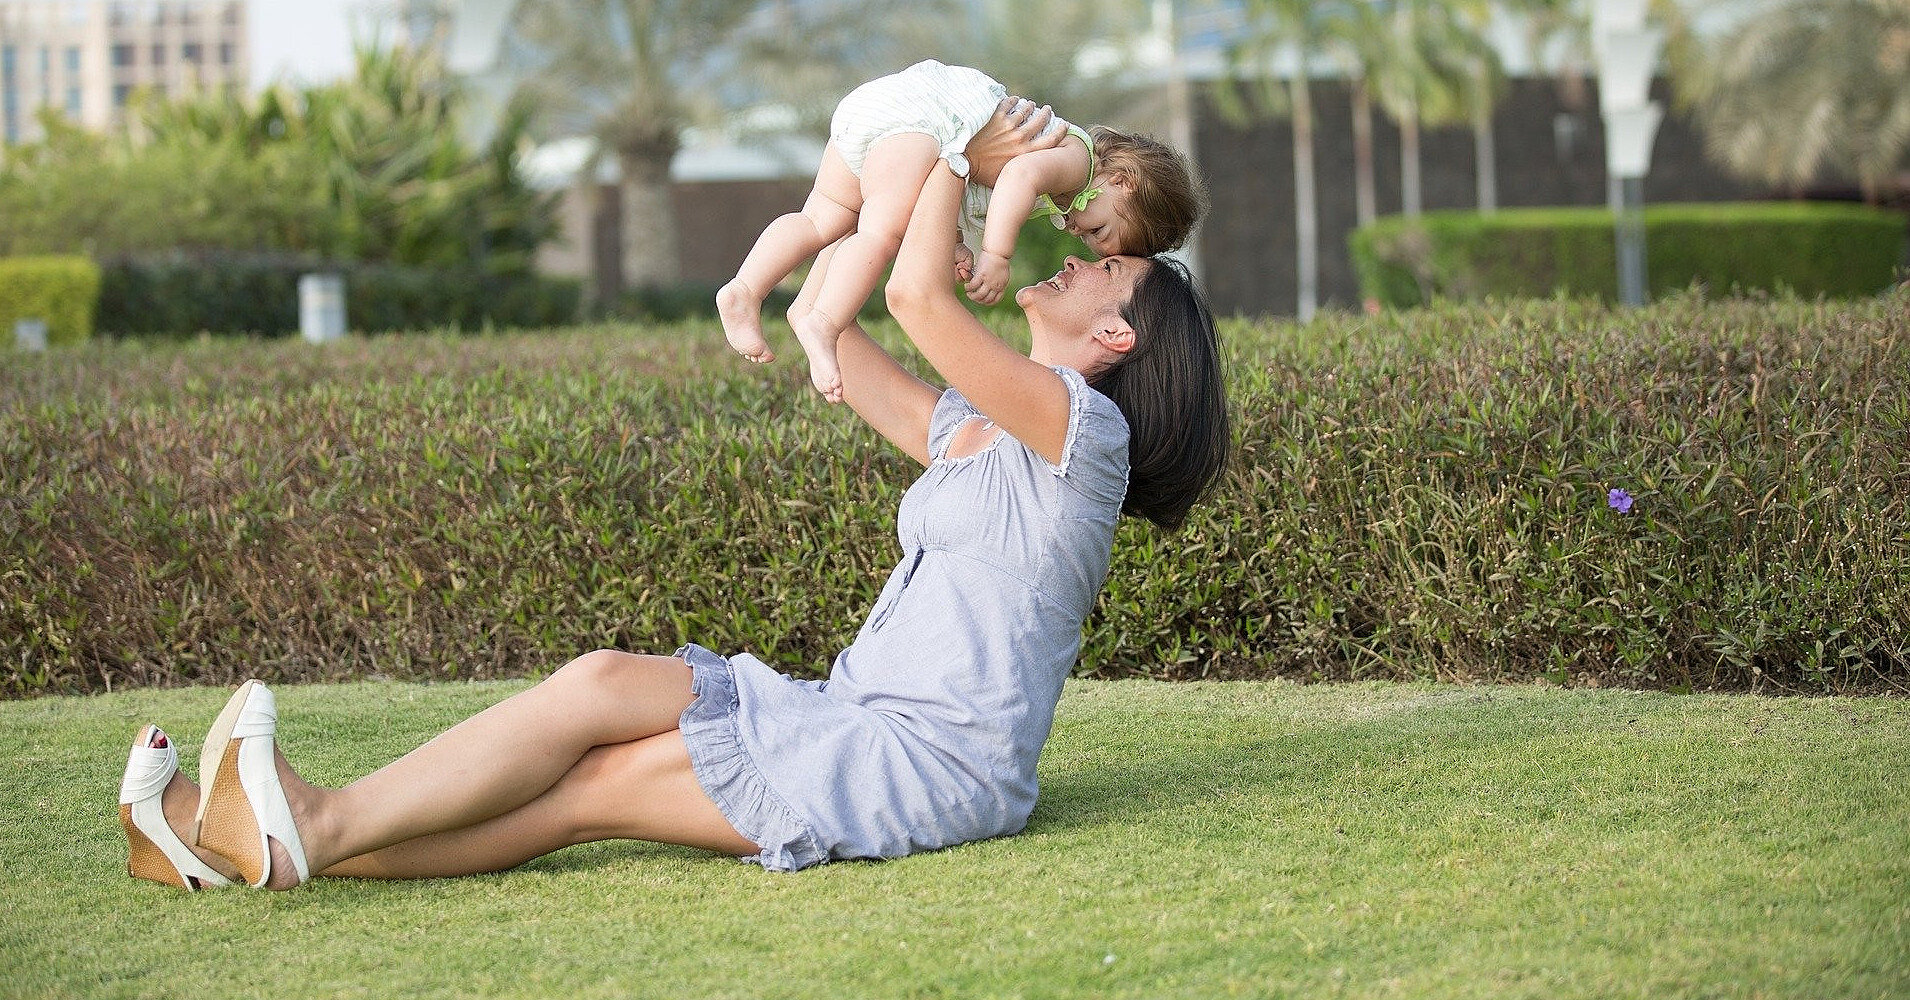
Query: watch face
958, 163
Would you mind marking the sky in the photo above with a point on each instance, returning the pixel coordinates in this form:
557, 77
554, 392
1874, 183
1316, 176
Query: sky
304, 40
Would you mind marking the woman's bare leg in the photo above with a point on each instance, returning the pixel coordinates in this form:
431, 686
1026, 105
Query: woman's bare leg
502, 759
642, 790
892, 179
828, 214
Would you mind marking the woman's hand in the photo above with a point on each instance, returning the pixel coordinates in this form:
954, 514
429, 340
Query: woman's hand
1014, 129
991, 277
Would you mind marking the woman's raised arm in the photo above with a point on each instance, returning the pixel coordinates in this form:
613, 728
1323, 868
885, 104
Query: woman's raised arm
1022, 397
885, 395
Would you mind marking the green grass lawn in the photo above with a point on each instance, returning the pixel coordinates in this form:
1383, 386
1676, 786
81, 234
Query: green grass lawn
1199, 840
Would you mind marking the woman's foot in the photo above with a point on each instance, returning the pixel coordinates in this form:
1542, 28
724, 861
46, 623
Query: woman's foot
817, 333
740, 309
245, 813
156, 806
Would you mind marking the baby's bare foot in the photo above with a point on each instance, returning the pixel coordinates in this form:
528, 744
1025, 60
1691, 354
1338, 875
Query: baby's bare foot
740, 310
817, 334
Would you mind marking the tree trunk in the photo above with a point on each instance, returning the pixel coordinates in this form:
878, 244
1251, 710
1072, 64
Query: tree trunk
650, 257
1484, 153
604, 239
1409, 187
1365, 196
1305, 212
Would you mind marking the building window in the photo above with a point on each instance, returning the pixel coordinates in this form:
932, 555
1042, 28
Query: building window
121, 91
73, 60
225, 53
232, 13
159, 55
73, 102
193, 53
122, 55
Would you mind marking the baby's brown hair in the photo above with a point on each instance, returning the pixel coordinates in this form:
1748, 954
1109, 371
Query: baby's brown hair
1167, 200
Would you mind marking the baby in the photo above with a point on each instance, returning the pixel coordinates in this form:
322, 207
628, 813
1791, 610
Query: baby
1119, 193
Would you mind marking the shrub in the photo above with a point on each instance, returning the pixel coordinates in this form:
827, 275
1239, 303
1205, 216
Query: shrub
1421, 494
220, 293
59, 290
1838, 250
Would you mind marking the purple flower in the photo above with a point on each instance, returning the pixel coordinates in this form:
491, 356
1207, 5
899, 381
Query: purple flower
1619, 500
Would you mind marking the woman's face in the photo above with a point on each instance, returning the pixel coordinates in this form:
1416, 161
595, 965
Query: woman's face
1071, 303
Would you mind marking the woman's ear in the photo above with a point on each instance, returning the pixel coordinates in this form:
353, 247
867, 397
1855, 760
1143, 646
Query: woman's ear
1113, 332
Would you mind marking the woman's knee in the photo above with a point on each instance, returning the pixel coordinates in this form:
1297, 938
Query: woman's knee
631, 686
596, 672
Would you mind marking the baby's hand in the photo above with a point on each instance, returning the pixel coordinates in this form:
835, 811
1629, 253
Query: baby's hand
964, 263
991, 277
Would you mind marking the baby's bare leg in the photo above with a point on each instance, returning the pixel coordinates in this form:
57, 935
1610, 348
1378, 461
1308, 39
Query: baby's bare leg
892, 178
829, 213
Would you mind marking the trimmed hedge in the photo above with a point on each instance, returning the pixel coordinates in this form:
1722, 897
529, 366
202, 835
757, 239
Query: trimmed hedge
180, 294
61, 290
1808, 249
1419, 494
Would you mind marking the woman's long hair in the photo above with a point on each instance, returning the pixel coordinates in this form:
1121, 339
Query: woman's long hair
1170, 389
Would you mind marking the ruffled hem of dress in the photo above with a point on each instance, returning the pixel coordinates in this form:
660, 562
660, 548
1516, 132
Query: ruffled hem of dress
730, 777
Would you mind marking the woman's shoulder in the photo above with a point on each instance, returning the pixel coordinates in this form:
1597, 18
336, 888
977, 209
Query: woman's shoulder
950, 410
1096, 442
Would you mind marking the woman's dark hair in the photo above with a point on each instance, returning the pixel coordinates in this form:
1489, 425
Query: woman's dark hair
1170, 390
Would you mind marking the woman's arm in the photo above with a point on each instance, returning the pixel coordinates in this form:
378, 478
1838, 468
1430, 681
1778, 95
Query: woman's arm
884, 394
1058, 171
1022, 397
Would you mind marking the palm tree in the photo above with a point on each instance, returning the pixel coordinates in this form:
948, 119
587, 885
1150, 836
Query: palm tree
1810, 87
635, 74
1273, 28
1429, 77
1358, 39
1042, 65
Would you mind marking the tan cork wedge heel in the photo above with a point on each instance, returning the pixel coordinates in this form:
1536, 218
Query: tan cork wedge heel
242, 806
153, 851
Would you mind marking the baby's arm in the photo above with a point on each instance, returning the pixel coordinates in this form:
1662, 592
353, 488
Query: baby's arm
1059, 171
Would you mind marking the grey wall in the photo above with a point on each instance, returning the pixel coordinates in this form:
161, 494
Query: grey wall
1550, 151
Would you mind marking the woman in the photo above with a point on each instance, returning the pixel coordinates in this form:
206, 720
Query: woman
926, 733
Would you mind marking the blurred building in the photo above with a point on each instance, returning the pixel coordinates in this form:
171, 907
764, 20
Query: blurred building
85, 59
1545, 147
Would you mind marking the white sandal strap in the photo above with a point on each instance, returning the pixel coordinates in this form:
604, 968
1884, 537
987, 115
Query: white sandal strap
148, 771
150, 818
259, 774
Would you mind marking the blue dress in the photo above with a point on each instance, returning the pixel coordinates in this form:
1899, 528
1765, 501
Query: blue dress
927, 730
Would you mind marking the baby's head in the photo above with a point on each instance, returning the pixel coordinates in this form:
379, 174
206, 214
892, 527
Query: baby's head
1148, 201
